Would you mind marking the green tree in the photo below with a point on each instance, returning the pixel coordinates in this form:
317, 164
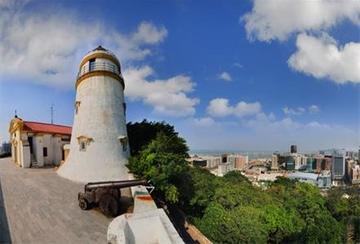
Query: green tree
215, 223
230, 209
281, 224
240, 225
346, 210
248, 225
162, 161
142, 133
337, 204
236, 177
203, 185
319, 225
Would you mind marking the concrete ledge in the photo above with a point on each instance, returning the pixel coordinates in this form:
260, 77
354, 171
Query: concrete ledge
147, 224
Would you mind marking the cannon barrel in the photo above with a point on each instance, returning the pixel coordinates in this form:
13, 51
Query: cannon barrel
114, 184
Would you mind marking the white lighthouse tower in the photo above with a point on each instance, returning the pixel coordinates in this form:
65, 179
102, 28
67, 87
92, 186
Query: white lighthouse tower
99, 145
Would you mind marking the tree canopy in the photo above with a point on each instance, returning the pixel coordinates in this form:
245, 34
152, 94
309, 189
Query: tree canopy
160, 163
142, 133
231, 209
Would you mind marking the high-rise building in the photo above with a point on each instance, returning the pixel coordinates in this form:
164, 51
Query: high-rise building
290, 162
240, 161
293, 149
300, 161
324, 179
326, 163
338, 166
318, 164
225, 168
310, 164
274, 162
212, 161
224, 158
355, 174
99, 147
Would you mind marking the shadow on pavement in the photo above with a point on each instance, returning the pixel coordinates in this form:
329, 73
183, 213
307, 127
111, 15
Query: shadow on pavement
4, 227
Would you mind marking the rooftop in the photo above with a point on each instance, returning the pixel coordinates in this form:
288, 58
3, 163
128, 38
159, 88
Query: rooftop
302, 175
40, 127
100, 48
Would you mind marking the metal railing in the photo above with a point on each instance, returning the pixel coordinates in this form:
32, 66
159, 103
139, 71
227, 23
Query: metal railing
97, 67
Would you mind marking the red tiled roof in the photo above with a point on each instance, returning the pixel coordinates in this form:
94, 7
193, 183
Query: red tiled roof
47, 128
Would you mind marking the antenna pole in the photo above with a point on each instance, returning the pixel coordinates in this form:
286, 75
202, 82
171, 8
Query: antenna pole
52, 113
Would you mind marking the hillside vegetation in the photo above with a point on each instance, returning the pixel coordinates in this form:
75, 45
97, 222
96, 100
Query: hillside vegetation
230, 209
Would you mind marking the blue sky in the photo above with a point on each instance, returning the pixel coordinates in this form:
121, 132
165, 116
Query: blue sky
231, 75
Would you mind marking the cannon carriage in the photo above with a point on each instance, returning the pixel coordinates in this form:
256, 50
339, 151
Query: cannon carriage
105, 194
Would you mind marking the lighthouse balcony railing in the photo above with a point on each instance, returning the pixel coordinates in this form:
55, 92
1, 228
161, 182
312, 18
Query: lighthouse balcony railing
99, 67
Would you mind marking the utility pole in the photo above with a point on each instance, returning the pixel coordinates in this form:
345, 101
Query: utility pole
52, 113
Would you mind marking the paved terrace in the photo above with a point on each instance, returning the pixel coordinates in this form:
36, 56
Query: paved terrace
38, 206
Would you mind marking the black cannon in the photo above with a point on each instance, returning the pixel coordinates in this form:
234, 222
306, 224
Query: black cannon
105, 194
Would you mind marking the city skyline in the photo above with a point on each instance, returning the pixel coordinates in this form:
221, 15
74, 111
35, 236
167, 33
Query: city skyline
271, 78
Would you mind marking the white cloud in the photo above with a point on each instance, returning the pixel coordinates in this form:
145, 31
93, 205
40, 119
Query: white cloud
278, 19
244, 109
167, 96
264, 123
309, 136
321, 57
265, 132
315, 124
300, 110
238, 65
225, 76
294, 111
314, 109
46, 48
219, 107
204, 122
149, 33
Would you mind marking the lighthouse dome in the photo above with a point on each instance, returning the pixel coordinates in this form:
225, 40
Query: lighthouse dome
99, 61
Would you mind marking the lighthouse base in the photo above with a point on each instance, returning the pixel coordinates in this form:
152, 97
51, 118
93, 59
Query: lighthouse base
84, 172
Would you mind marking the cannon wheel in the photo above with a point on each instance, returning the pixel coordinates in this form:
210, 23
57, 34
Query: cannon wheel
83, 204
109, 205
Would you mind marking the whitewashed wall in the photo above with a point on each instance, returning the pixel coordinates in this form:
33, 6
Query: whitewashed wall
100, 117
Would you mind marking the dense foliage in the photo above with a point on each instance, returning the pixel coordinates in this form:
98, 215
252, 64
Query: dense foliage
230, 209
158, 154
236, 211
344, 205
142, 133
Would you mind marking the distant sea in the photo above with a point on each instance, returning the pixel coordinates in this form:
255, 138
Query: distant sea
251, 154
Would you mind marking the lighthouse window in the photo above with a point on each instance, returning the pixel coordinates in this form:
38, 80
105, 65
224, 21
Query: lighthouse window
91, 64
84, 141
124, 147
82, 146
124, 142
77, 105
